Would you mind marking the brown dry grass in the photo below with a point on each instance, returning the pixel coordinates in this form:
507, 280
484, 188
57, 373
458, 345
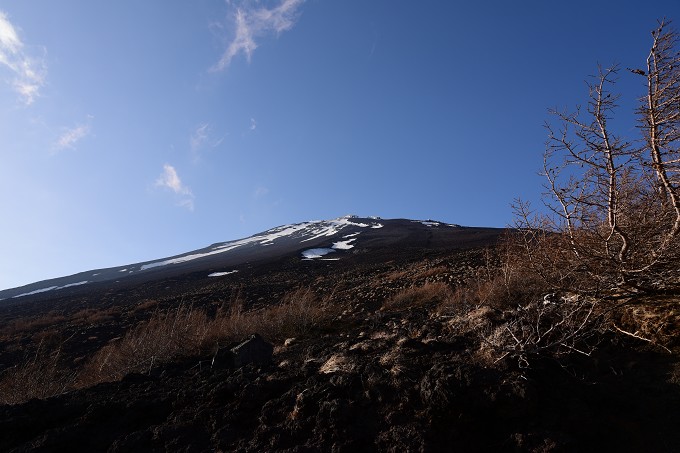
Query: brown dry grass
40, 375
396, 275
145, 305
189, 331
430, 293
167, 335
93, 316
185, 331
656, 321
30, 325
432, 272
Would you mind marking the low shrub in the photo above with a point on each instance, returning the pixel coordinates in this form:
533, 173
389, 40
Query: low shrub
549, 328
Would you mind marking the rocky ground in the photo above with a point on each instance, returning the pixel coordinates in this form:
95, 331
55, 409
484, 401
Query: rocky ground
386, 370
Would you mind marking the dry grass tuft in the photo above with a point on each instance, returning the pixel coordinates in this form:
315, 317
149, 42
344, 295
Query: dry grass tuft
145, 305
93, 316
657, 322
167, 335
30, 325
429, 294
40, 376
188, 331
432, 272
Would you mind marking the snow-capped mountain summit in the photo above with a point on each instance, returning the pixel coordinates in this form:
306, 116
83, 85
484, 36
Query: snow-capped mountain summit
319, 240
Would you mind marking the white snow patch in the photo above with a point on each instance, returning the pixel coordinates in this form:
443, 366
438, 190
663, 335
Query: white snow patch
434, 223
351, 235
332, 227
221, 274
37, 291
124, 270
316, 253
377, 225
343, 245
51, 288
74, 284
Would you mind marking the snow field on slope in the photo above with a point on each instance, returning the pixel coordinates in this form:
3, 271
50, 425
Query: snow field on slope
308, 231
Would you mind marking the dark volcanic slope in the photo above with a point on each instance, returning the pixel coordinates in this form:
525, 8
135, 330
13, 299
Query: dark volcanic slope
342, 238
395, 361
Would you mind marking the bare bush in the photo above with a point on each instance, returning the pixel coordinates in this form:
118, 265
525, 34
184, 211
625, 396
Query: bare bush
504, 279
545, 329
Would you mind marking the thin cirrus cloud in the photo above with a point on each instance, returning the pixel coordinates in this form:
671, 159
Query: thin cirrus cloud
169, 179
202, 137
260, 192
199, 138
27, 71
70, 137
251, 23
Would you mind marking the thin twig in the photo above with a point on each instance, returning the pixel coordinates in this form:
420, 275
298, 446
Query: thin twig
635, 335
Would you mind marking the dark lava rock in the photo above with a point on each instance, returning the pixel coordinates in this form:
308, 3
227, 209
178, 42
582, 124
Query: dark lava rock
253, 350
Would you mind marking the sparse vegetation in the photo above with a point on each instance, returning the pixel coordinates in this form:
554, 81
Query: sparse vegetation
189, 331
611, 233
185, 331
40, 375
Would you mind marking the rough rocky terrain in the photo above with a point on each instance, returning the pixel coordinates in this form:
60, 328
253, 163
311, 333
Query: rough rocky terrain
388, 368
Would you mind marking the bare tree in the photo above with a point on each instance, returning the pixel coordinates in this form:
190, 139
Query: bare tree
660, 123
614, 204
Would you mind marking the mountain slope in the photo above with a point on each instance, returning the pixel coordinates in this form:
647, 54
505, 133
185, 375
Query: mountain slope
370, 339
330, 240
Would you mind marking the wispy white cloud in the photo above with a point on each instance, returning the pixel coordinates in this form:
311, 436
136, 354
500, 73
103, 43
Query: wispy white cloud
202, 137
253, 124
71, 136
199, 137
260, 192
251, 23
169, 179
27, 71
186, 203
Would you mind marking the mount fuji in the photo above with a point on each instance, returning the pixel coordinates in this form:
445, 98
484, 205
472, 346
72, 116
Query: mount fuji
340, 241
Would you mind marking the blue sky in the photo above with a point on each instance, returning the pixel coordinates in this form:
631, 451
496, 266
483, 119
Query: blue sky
135, 130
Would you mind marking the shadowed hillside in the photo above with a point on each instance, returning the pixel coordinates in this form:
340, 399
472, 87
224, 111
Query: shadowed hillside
404, 343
